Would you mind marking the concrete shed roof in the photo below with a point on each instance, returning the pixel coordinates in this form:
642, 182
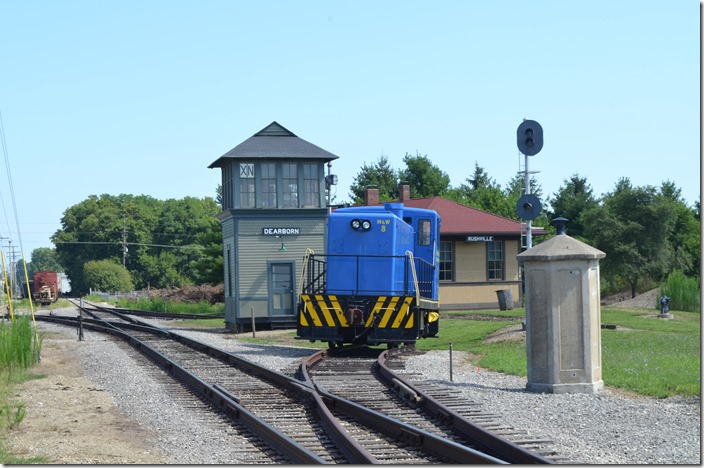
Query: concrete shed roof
561, 247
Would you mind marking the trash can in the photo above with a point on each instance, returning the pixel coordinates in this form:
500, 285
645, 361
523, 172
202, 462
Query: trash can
505, 299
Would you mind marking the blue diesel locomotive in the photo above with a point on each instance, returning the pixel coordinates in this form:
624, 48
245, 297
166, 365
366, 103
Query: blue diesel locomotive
377, 282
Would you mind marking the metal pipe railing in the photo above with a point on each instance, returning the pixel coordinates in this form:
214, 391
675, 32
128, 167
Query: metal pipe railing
417, 279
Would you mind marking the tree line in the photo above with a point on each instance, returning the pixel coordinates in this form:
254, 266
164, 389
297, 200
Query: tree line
118, 243
126, 241
646, 232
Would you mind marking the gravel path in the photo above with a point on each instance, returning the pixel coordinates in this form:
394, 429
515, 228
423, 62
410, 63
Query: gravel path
605, 428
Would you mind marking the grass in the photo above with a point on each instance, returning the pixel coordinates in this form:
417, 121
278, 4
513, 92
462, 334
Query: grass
650, 356
158, 304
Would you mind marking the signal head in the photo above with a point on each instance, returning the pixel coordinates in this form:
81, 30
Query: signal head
529, 137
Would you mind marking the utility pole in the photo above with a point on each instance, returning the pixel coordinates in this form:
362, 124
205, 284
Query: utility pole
124, 241
529, 222
14, 284
5, 279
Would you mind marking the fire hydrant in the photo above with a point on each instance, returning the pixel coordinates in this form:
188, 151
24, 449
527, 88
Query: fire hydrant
665, 305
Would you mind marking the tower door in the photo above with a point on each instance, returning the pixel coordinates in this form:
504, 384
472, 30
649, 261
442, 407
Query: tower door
281, 283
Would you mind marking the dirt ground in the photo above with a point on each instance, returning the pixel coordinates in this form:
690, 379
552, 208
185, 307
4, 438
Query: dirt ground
70, 421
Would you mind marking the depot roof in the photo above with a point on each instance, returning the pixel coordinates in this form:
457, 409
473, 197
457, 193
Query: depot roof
462, 219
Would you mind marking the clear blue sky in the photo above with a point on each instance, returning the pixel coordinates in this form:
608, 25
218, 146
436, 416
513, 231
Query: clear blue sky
139, 97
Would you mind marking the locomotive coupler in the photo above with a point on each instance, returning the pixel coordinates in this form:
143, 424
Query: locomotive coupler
357, 339
354, 315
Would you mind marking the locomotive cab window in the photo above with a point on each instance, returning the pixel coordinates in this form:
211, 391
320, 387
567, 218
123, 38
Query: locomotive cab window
424, 226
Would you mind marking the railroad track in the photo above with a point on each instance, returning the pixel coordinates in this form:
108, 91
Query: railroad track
298, 422
375, 379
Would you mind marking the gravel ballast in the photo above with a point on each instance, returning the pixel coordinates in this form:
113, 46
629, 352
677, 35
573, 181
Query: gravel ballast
608, 427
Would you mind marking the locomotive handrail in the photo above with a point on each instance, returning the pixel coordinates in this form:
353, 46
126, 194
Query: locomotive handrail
306, 258
409, 254
419, 274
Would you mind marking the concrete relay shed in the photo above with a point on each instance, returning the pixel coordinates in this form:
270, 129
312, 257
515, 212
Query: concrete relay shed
563, 316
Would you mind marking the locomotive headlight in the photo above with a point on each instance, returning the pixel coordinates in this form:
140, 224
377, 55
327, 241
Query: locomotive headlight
363, 224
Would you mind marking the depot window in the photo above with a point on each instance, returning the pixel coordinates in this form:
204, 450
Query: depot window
446, 260
495, 260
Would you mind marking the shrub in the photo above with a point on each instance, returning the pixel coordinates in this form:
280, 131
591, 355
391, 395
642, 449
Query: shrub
106, 275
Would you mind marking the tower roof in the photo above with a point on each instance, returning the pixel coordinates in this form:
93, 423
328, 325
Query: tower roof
274, 142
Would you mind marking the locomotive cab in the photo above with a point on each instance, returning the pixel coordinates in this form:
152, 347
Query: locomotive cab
377, 281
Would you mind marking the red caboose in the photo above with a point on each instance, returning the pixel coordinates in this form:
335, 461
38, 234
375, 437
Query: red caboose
46, 287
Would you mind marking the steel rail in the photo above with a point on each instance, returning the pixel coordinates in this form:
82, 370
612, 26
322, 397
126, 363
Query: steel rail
222, 400
348, 445
494, 443
397, 429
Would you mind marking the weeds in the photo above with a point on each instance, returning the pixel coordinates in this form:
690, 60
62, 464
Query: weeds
19, 346
683, 292
11, 414
158, 304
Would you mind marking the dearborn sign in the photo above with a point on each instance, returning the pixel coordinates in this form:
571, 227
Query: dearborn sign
278, 231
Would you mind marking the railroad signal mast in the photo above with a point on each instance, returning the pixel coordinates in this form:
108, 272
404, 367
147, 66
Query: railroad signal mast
529, 138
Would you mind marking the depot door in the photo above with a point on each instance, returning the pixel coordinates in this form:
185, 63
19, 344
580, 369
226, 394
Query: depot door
281, 288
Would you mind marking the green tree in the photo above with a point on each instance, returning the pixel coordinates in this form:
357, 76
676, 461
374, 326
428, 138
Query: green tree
209, 266
571, 201
107, 276
218, 195
89, 232
380, 175
423, 177
158, 241
686, 234
43, 259
698, 211
633, 226
481, 192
